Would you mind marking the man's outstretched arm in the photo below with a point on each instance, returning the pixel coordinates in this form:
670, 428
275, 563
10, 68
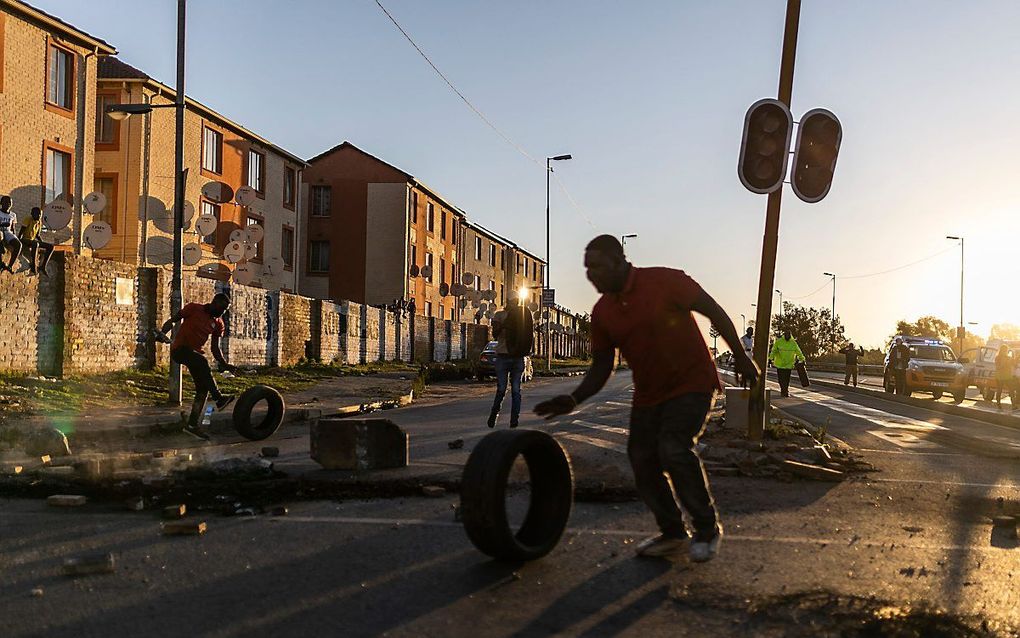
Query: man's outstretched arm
707, 306
218, 354
170, 323
594, 380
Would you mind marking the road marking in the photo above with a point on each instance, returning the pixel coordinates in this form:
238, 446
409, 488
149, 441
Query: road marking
912, 452
904, 440
1004, 486
604, 428
590, 531
616, 447
878, 417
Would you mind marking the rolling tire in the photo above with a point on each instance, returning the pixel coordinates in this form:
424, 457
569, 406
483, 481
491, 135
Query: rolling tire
483, 494
936, 394
246, 403
959, 396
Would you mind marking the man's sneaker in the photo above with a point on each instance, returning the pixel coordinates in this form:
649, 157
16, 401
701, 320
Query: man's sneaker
196, 432
704, 550
492, 420
659, 546
224, 401
513, 424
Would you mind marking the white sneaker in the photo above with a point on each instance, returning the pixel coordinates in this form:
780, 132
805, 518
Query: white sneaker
704, 551
659, 546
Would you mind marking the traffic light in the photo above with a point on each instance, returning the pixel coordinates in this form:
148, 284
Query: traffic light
768, 127
814, 158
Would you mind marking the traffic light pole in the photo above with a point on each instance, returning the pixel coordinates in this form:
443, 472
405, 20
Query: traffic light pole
770, 244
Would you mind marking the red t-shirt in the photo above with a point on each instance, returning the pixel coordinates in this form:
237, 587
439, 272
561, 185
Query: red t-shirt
196, 328
651, 323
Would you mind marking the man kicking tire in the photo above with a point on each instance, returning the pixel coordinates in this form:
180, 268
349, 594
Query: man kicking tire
199, 322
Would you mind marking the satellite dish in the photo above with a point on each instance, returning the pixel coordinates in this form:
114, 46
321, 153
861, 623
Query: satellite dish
444, 289
255, 233
97, 235
95, 202
467, 279
206, 225
533, 306
545, 314
245, 195
218, 192
234, 252
238, 235
457, 289
56, 236
482, 307
192, 254
244, 274
426, 271
273, 267
159, 251
488, 314
415, 270
215, 270
251, 251
57, 214
187, 215
463, 303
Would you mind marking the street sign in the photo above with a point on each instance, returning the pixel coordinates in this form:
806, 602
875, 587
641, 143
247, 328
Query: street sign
549, 297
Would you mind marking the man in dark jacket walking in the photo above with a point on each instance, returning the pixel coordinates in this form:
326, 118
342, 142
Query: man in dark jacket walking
514, 329
899, 359
852, 355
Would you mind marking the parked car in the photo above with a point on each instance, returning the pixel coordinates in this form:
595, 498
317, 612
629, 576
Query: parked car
933, 368
487, 364
980, 366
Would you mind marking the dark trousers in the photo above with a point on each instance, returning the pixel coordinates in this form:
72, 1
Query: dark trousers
201, 374
666, 467
33, 247
784, 380
509, 371
901, 381
851, 372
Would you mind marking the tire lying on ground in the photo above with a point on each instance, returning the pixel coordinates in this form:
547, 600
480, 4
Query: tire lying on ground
269, 424
483, 494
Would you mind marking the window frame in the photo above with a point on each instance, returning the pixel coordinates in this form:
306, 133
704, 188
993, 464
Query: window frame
478, 248
492, 254
111, 206
414, 207
69, 189
311, 244
442, 224
289, 181
218, 213
260, 190
326, 188
261, 221
284, 244
107, 122
52, 44
218, 171
430, 217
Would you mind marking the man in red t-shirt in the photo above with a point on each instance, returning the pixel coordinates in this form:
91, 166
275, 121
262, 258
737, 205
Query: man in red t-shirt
199, 323
646, 313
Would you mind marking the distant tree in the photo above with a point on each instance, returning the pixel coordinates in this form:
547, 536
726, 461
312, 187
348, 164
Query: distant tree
1007, 331
814, 329
927, 326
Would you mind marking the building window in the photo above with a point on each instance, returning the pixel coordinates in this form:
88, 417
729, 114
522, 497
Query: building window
289, 186
518, 271
431, 217
502, 301
442, 224
58, 175
260, 252
318, 256
257, 171
212, 150
478, 248
209, 208
428, 308
428, 262
414, 255
60, 78
414, 207
478, 282
107, 128
442, 270
526, 267
107, 185
322, 201
502, 257
287, 247
453, 238
492, 285
492, 254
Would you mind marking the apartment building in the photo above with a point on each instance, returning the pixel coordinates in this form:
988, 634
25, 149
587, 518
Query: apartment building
525, 271
47, 113
484, 255
378, 235
134, 168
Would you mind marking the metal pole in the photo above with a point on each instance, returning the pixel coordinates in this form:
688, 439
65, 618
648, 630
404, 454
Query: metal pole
770, 243
961, 298
548, 280
176, 298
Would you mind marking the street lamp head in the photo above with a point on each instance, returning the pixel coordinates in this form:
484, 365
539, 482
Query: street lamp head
631, 236
952, 237
828, 274
121, 112
560, 157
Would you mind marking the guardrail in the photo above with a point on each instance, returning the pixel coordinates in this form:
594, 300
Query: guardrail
841, 368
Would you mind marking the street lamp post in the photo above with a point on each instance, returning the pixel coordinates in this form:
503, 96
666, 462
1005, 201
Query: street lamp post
548, 281
624, 238
829, 274
743, 323
122, 112
780, 302
960, 330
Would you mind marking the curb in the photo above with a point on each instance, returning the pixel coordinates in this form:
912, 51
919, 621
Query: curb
929, 404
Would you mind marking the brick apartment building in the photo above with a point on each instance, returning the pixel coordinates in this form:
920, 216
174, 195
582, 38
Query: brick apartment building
376, 235
47, 113
135, 168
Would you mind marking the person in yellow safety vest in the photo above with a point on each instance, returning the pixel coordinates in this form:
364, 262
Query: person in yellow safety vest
784, 355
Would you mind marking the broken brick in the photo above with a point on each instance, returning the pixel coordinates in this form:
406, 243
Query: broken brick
184, 528
175, 511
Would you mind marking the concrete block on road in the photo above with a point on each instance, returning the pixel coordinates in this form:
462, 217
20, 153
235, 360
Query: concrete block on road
270, 452
66, 500
184, 528
736, 406
172, 512
433, 491
92, 564
358, 444
813, 472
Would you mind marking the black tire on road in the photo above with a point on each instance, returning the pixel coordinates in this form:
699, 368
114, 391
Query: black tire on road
937, 394
272, 420
483, 494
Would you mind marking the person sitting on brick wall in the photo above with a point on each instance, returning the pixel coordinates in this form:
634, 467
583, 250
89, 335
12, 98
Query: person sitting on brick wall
30, 239
8, 240
199, 322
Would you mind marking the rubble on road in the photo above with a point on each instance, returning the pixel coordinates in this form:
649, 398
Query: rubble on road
135, 504
92, 564
66, 500
171, 512
456, 444
184, 528
433, 491
270, 452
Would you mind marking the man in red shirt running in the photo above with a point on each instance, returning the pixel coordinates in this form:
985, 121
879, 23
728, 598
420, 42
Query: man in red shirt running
200, 321
646, 313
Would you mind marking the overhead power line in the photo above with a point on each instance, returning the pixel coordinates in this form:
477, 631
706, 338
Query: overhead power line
876, 274
506, 138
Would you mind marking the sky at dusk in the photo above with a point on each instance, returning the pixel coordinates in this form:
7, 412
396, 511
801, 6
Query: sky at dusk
649, 98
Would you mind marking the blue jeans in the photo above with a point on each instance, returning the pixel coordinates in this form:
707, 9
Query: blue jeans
509, 369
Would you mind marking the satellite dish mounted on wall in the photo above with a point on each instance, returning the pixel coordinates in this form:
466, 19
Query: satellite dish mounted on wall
217, 192
95, 203
97, 235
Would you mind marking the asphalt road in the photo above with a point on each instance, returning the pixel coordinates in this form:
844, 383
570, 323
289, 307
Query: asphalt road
801, 558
